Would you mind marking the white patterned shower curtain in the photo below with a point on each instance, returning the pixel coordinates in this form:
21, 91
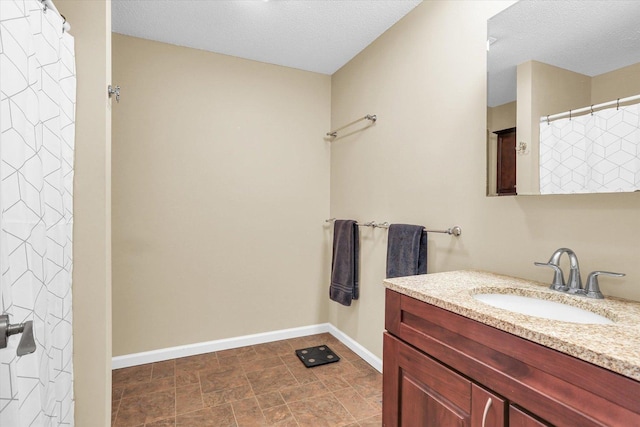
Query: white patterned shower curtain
593, 153
37, 131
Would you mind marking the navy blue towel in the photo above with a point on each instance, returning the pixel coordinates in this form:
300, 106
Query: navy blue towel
406, 250
345, 262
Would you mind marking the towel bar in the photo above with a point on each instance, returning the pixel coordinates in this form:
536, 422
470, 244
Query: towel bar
334, 133
456, 230
366, 224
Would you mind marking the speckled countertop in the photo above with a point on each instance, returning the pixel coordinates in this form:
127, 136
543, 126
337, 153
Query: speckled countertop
612, 346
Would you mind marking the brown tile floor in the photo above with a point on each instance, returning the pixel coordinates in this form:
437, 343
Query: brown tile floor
259, 385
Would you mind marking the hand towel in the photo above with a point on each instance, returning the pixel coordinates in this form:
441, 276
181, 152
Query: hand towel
345, 262
406, 250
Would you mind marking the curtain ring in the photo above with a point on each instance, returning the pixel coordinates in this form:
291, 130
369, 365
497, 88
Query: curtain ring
569, 114
618, 104
44, 6
64, 21
592, 109
548, 123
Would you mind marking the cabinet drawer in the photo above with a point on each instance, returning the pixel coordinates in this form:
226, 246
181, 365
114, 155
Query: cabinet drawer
519, 418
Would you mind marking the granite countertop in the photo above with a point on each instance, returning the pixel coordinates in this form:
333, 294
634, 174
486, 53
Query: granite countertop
612, 346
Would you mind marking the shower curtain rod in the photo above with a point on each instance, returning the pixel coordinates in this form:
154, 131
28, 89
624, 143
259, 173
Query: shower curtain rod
590, 109
372, 117
456, 230
48, 4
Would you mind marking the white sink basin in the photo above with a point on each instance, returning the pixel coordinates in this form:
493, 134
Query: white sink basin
542, 308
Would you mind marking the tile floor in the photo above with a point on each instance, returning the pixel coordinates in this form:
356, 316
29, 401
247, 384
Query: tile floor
259, 385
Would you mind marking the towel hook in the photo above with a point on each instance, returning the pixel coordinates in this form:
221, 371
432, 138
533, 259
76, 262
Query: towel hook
114, 91
456, 230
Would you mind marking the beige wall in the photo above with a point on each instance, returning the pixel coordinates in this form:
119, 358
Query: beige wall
424, 163
501, 117
91, 27
616, 84
220, 192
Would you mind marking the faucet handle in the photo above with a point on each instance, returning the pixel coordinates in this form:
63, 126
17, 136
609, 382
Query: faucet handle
593, 287
558, 278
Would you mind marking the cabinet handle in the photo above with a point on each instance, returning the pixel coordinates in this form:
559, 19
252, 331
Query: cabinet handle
486, 412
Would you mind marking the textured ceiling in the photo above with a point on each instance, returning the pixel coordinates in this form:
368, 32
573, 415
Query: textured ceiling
312, 35
589, 37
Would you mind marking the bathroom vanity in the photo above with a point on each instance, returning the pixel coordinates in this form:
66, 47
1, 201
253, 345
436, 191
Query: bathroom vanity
451, 360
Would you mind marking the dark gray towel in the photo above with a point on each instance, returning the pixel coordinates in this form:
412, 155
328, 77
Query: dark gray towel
344, 264
406, 250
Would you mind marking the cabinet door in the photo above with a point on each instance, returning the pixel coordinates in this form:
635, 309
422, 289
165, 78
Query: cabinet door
418, 391
506, 173
487, 409
518, 418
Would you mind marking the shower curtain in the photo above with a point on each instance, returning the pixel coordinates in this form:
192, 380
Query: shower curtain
593, 153
37, 130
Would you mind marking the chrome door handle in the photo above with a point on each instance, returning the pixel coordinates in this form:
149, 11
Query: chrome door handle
486, 412
27, 343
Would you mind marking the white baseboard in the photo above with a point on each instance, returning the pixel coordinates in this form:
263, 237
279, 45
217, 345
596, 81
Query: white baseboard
356, 347
242, 341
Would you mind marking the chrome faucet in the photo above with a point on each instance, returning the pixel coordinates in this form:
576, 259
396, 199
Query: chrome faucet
558, 284
575, 281
574, 286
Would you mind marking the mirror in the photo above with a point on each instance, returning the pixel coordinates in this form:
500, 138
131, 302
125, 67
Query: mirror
555, 57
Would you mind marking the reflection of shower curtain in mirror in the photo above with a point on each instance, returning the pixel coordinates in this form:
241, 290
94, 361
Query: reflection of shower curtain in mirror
597, 153
37, 131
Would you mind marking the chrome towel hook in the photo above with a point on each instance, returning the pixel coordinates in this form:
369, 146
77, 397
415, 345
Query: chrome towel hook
114, 91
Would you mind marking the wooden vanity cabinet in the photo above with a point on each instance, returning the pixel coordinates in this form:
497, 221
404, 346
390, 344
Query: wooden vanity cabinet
440, 369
